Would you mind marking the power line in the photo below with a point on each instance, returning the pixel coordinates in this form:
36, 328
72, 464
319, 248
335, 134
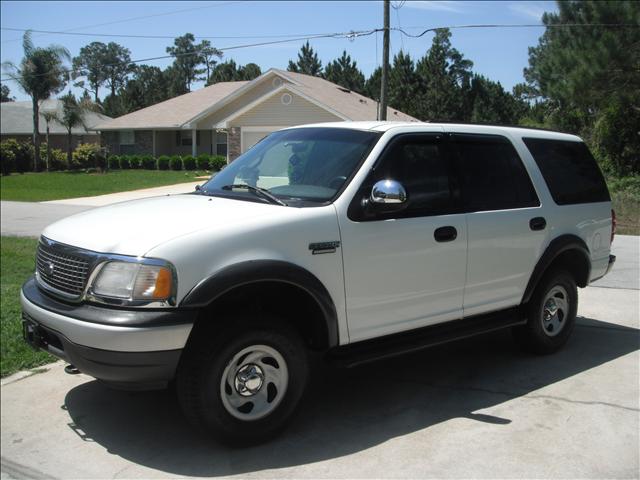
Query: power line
521, 25
349, 35
131, 19
170, 37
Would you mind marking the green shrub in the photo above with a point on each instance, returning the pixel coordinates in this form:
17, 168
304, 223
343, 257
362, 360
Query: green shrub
135, 161
188, 162
203, 161
57, 160
124, 162
148, 162
114, 162
218, 162
7, 157
87, 155
163, 162
176, 162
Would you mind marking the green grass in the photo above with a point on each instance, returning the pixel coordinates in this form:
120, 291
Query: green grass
39, 187
17, 257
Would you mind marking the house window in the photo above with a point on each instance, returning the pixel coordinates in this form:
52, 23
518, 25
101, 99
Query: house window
183, 138
127, 137
221, 143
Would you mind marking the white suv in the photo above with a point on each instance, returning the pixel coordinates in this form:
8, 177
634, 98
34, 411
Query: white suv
360, 240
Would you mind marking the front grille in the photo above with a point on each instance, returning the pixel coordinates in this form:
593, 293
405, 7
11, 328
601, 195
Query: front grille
61, 270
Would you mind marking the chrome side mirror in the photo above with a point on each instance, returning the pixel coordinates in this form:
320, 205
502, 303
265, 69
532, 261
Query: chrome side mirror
388, 192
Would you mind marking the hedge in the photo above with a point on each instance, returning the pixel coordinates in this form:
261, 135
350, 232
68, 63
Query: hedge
176, 162
163, 162
114, 162
148, 162
189, 162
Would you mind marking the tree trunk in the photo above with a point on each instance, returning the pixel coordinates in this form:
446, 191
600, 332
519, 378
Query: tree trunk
48, 148
36, 134
96, 93
69, 149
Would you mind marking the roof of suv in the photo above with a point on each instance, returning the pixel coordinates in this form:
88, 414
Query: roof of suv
467, 127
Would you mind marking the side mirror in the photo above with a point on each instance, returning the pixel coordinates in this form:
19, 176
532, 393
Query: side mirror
388, 192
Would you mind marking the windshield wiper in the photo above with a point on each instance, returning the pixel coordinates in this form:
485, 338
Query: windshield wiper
263, 192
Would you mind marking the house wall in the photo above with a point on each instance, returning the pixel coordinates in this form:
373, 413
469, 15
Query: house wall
275, 111
166, 143
264, 87
56, 140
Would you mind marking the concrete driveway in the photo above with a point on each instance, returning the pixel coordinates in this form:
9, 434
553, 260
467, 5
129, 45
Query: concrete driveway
478, 408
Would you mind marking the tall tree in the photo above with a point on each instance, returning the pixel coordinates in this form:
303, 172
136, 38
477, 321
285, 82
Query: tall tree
250, 71
187, 60
404, 85
209, 55
147, 86
345, 73
588, 77
41, 74
49, 116
230, 72
116, 66
5, 94
308, 62
491, 104
90, 64
445, 77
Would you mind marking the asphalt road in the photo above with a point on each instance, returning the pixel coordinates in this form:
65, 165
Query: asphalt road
477, 408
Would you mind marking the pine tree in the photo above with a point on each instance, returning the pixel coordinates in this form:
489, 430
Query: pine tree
308, 62
345, 73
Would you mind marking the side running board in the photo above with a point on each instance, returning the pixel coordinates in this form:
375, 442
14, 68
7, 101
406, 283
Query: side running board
367, 351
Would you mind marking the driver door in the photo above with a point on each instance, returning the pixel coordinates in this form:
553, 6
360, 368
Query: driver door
401, 273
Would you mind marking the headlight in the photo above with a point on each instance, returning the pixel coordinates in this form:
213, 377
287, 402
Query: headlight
130, 282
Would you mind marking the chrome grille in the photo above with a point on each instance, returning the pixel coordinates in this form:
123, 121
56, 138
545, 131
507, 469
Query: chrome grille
60, 270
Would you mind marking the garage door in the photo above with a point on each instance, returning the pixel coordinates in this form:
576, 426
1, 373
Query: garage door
249, 139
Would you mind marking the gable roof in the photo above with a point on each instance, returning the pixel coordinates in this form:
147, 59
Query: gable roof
187, 109
17, 119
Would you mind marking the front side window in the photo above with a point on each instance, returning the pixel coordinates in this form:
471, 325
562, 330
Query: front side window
492, 176
127, 137
419, 163
297, 166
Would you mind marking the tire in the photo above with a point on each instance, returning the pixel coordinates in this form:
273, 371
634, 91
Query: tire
551, 314
242, 385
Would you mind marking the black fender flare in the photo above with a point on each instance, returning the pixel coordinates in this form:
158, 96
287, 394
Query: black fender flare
558, 245
256, 271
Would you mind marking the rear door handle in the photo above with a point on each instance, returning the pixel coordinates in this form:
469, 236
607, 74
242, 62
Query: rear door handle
445, 234
537, 223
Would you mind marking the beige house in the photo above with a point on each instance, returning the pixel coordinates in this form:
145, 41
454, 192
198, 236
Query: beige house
228, 118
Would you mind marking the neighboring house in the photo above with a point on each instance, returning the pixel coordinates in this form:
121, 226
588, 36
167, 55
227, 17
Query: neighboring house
17, 122
228, 118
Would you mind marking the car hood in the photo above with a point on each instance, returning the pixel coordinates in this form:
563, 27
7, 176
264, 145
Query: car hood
135, 227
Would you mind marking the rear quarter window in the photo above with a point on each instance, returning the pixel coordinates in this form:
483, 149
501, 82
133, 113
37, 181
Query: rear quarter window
570, 171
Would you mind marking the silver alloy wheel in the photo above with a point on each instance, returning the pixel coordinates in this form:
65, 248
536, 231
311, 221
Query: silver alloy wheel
555, 310
254, 382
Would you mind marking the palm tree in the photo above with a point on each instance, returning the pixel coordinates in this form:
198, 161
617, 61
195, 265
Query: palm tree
49, 116
73, 112
41, 73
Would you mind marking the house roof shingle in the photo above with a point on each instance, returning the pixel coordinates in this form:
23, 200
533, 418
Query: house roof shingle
178, 111
17, 119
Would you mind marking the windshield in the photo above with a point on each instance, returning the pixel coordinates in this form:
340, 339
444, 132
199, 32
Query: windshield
297, 166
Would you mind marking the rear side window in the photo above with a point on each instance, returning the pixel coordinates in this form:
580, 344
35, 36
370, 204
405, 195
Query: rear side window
491, 173
570, 171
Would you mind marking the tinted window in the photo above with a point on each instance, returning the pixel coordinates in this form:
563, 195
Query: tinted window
570, 171
491, 174
420, 165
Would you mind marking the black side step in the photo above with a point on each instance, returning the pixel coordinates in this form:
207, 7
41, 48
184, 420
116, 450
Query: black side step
414, 340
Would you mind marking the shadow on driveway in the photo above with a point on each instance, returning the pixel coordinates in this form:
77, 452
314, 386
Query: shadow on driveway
346, 411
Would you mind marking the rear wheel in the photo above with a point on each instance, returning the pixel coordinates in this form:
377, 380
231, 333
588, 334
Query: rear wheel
551, 314
243, 387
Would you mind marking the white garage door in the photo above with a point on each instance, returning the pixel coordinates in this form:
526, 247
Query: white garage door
249, 139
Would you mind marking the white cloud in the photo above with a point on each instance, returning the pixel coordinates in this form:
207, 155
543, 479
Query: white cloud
532, 10
441, 6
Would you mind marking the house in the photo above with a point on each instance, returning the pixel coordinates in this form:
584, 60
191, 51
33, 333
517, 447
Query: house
228, 118
17, 123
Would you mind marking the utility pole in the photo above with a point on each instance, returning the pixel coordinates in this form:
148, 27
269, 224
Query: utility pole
385, 63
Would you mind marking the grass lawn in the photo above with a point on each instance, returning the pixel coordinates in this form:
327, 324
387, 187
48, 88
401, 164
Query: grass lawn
17, 257
38, 187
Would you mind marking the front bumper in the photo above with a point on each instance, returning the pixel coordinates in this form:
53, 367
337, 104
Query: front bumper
119, 346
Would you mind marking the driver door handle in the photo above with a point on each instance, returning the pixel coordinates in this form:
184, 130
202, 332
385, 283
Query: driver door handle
445, 234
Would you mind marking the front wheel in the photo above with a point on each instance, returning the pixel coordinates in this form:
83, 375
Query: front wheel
551, 314
244, 387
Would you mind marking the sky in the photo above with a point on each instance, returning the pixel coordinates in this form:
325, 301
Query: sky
501, 54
